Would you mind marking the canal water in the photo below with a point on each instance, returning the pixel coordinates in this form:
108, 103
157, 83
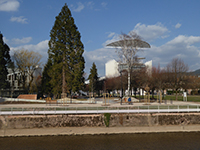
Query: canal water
152, 141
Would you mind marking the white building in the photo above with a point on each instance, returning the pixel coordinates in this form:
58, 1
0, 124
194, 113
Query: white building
111, 68
14, 77
148, 64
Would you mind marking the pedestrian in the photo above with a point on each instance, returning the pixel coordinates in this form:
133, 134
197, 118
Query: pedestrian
129, 101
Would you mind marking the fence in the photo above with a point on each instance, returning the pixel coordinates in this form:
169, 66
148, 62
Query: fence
98, 110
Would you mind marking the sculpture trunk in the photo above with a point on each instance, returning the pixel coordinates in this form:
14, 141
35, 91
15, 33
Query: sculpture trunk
129, 82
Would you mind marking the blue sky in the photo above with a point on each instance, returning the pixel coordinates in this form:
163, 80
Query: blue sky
172, 28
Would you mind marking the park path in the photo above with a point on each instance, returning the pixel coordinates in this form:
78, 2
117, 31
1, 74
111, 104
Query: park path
96, 130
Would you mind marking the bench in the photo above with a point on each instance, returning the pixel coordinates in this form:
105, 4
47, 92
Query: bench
27, 96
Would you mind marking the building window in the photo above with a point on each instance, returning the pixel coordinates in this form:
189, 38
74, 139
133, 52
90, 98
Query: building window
15, 76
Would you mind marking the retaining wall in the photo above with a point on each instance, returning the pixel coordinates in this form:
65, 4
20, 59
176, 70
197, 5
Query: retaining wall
95, 120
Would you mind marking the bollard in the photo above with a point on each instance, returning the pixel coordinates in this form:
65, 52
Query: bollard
165, 101
171, 101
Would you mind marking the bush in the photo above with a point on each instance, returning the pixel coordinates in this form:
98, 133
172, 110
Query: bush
107, 119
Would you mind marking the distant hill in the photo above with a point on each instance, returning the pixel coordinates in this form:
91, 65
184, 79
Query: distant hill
196, 72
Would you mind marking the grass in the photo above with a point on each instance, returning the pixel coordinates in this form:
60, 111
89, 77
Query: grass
190, 98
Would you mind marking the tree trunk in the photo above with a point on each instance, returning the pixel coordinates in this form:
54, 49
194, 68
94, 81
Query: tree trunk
152, 93
129, 82
63, 82
63, 79
176, 95
135, 89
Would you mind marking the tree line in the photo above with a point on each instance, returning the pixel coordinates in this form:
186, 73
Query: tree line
175, 76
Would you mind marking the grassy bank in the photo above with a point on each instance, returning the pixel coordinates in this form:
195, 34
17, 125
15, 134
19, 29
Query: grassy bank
190, 98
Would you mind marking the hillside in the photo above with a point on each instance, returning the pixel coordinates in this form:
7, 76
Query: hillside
196, 72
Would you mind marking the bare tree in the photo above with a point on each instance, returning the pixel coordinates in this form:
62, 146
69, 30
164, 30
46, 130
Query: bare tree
127, 49
176, 72
157, 79
112, 83
193, 84
139, 79
26, 62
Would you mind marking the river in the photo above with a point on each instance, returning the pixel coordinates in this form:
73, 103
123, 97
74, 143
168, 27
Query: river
150, 141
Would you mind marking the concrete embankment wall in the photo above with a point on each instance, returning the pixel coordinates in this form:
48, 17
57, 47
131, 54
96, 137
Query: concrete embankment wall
97, 120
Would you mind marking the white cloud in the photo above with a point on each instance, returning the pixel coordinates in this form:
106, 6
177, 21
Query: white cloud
185, 40
20, 19
15, 41
100, 57
90, 41
79, 8
181, 46
150, 32
164, 36
41, 47
9, 5
21, 41
178, 25
147, 32
90, 5
115, 37
111, 34
104, 4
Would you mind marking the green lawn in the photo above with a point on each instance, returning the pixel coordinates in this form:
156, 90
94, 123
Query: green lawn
190, 98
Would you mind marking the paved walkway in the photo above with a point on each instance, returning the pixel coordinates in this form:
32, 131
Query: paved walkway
96, 130
98, 104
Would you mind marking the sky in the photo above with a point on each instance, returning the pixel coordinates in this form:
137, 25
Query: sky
171, 27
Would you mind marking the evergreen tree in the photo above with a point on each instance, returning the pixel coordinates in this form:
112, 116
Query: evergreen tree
4, 61
66, 53
93, 78
46, 85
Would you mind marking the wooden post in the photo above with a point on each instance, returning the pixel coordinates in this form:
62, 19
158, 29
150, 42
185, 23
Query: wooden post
160, 97
157, 96
104, 96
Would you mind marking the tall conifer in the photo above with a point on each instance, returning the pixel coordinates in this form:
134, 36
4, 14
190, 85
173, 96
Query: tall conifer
93, 78
66, 53
46, 85
4, 60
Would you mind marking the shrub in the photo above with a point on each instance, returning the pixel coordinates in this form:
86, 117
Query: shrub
107, 119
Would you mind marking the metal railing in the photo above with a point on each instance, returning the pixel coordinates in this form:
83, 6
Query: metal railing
98, 110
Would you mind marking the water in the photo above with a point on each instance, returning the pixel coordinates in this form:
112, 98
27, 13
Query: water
153, 141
